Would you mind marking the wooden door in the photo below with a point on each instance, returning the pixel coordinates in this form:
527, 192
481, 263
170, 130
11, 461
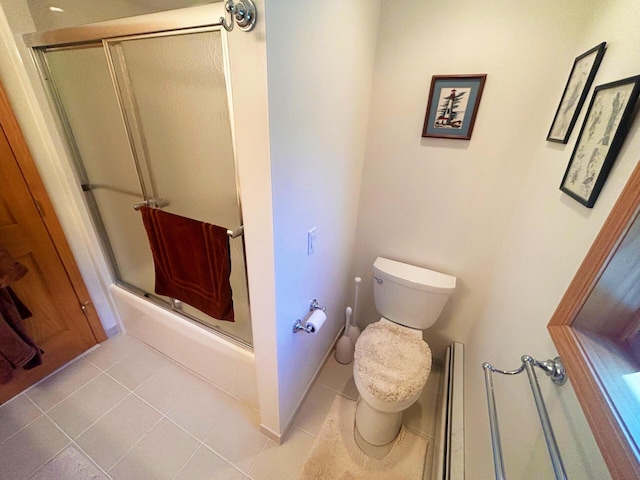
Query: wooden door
30, 231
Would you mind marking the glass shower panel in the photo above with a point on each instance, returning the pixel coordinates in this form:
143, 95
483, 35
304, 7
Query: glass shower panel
96, 132
175, 93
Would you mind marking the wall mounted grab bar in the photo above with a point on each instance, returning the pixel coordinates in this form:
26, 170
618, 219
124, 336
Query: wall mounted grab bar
554, 369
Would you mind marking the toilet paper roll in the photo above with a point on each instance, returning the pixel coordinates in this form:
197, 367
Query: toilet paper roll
316, 320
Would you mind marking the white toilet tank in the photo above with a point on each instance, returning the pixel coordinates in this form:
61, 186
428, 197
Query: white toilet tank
409, 295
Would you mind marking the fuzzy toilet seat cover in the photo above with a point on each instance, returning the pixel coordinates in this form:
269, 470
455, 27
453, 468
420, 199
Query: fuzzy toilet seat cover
392, 363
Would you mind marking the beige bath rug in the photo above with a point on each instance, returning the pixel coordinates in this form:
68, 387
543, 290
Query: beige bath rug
335, 455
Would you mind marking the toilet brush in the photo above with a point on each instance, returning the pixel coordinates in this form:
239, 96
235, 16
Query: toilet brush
344, 347
353, 330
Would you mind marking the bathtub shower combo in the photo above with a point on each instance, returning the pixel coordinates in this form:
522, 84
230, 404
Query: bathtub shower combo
146, 108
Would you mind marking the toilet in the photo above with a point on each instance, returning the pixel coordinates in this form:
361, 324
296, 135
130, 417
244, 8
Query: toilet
392, 361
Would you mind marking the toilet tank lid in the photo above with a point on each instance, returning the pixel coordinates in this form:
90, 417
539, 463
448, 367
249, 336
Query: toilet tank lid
412, 276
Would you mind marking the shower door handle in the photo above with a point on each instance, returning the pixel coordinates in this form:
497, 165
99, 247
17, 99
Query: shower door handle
153, 203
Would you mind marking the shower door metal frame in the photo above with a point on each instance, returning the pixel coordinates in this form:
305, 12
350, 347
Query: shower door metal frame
102, 35
71, 146
127, 96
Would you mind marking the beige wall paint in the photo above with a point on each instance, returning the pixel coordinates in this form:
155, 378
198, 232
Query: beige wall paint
489, 210
445, 204
320, 66
548, 236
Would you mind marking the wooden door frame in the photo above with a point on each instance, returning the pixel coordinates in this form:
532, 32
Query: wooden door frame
11, 128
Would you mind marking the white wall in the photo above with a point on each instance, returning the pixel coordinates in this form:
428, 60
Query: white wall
489, 210
320, 64
546, 241
445, 204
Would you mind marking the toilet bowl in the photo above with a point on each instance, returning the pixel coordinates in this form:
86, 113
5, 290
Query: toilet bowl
392, 361
392, 364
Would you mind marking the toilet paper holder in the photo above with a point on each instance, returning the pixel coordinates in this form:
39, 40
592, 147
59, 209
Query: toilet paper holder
298, 326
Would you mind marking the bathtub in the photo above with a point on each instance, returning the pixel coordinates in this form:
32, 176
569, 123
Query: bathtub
227, 365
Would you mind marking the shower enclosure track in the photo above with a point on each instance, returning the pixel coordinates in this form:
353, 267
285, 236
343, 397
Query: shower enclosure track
200, 19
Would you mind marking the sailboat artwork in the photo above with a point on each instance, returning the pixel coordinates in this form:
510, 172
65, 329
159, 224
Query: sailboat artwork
453, 105
452, 109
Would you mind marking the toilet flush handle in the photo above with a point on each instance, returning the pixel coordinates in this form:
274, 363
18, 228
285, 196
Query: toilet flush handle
378, 279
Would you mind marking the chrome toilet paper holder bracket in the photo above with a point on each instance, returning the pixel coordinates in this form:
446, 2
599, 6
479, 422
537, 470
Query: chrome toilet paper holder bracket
314, 305
298, 326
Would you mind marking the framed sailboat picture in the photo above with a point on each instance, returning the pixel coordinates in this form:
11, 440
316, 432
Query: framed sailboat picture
453, 106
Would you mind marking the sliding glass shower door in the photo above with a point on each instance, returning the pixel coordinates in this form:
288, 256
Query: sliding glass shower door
149, 121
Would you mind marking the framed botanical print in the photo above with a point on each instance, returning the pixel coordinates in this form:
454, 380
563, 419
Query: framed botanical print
575, 93
603, 131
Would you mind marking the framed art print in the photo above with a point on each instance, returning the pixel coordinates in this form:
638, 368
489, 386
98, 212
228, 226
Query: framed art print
453, 106
603, 131
575, 93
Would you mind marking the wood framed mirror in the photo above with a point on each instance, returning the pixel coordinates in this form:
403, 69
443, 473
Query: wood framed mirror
596, 331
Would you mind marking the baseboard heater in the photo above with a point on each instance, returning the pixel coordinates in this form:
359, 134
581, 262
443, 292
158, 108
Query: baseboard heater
448, 459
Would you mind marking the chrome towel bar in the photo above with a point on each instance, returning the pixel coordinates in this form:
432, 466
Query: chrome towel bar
237, 232
554, 369
160, 202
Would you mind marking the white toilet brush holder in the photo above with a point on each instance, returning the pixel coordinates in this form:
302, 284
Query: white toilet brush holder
353, 331
345, 347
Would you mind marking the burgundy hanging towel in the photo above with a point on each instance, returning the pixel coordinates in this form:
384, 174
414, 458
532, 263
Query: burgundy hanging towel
192, 261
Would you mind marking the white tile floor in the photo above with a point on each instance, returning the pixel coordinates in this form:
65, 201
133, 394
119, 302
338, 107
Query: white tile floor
124, 411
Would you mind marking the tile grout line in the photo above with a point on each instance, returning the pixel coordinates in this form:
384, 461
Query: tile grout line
82, 432
346, 395
103, 415
132, 392
51, 375
129, 393
135, 444
186, 462
25, 426
170, 420
209, 382
220, 454
306, 431
93, 461
26, 392
212, 427
163, 416
174, 362
257, 456
71, 442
